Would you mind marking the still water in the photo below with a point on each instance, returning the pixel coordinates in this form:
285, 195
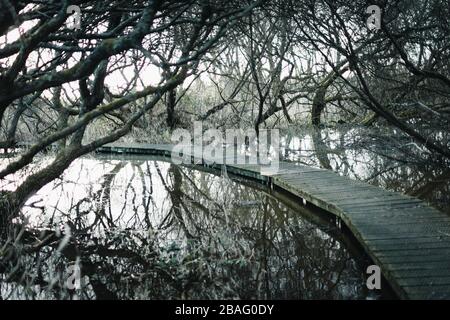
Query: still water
381, 156
146, 229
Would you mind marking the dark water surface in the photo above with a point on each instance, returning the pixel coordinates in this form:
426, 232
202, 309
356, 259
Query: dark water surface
144, 229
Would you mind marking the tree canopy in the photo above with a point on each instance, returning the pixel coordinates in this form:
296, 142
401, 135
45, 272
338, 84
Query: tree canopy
267, 63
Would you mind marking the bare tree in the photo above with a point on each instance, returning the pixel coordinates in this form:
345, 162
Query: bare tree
49, 58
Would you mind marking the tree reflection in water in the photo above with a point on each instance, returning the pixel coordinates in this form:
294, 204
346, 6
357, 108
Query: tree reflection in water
383, 157
152, 230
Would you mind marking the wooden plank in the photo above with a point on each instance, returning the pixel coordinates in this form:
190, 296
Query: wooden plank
428, 259
421, 265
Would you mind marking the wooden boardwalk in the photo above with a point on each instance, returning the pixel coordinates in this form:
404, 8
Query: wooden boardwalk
406, 238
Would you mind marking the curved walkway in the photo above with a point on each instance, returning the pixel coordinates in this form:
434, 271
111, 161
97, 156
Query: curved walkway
406, 238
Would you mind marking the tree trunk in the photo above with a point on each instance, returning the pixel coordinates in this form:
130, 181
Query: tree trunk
319, 103
171, 101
